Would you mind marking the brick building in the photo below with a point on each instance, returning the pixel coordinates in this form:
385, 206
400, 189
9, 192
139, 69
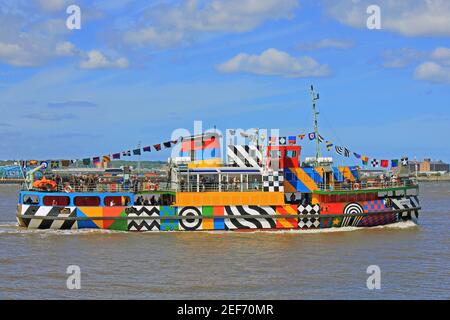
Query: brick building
428, 165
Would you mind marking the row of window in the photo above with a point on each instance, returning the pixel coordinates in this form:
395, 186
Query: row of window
276, 154
79, 201
359, 197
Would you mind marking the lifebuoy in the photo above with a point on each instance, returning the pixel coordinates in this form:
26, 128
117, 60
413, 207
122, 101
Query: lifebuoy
68, 189
356, 186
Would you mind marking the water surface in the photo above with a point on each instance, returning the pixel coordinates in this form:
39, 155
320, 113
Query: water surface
414, 260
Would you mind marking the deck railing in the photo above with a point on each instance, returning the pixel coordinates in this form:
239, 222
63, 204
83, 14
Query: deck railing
141, 187
367, 185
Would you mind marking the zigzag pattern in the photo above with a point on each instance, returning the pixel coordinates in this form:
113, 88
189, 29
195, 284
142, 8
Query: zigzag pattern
142, 224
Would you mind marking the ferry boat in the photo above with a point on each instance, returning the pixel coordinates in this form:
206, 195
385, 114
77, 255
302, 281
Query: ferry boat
257, 187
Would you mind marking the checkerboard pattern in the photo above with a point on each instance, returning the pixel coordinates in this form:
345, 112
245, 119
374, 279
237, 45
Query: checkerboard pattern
377, 220
273, 181
374, 206
305, 221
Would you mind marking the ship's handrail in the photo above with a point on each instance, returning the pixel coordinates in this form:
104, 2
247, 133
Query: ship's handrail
148, 187
367, 185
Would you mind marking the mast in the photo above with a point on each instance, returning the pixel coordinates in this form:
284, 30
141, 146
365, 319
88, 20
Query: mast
315, 97
139, 159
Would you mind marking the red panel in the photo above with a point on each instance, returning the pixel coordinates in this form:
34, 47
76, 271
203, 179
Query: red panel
111, 212
56, 201
284, 160
198, 144
332, 208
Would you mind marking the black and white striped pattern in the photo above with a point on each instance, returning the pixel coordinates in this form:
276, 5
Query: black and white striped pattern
47, 211
342, 151
305, 221
190, 224
249, 156
273, 181
254, 222
352, 208
407, 203
140, 224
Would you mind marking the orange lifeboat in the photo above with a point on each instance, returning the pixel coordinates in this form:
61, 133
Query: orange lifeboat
45, 184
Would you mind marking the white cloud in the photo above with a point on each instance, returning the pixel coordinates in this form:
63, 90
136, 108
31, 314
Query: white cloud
52, 5
65, 49
151, 35
432, 66
96, 60
432, 72
166, 25
276, 63
15, 55
400, 58
327, 44
28, 37
31, 36
409, 18
441, 53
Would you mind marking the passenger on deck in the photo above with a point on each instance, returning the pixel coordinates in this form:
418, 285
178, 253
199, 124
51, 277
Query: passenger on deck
139, 201
153, 200
255, 184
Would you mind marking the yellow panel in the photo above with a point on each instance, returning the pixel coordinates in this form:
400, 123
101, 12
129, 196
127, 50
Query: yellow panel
229, 198
315, 199
215, 162
93, 212
208, 224
347, 173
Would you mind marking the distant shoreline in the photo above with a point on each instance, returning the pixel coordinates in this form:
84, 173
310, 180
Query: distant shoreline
445, 178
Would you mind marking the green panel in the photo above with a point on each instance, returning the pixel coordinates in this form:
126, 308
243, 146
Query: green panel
120, 225
208, 212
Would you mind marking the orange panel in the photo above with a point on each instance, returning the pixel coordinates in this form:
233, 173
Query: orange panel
229, 198
111, 212
288, 223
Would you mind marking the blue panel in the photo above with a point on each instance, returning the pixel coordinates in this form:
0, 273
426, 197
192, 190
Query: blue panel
313, 175
295, 182
210, 153
338, 177
354, 172
85, 224
166, 224
219, 224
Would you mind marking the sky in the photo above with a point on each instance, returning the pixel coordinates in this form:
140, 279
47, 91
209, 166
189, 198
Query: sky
137, 70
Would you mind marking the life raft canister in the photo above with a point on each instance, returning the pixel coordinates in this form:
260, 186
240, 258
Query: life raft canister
356, 186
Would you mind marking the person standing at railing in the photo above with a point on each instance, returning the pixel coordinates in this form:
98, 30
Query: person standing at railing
255, 184
182, 183
202, 184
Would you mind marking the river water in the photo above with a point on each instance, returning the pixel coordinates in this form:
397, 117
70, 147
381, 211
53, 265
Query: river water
414, 260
